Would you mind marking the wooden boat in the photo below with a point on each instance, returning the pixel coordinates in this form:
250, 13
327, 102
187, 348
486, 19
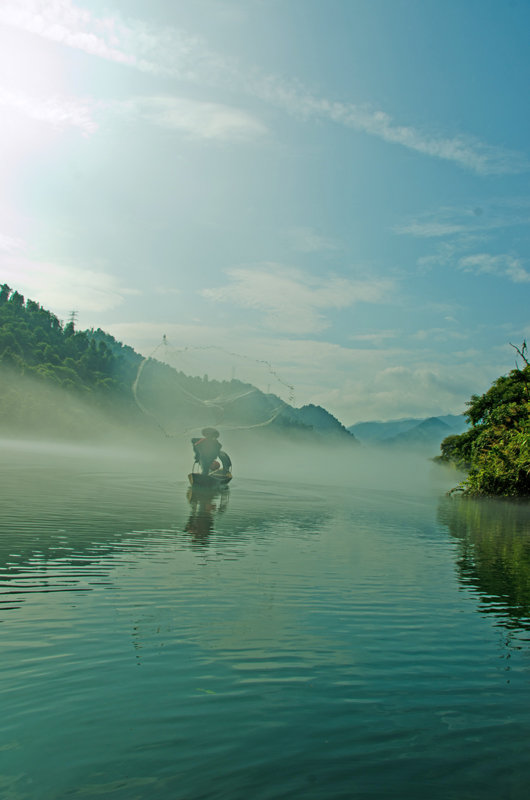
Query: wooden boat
211, 481
219, 475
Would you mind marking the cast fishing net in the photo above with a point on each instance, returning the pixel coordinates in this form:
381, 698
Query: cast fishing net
183, 389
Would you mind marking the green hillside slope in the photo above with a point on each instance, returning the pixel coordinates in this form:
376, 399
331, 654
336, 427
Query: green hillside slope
56, 379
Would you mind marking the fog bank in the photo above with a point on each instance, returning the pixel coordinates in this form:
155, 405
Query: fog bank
40, 421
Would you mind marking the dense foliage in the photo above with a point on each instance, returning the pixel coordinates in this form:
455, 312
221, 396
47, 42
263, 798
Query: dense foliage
33, 342
495, 451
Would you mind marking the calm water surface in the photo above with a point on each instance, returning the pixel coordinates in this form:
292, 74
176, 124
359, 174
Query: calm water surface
279, 640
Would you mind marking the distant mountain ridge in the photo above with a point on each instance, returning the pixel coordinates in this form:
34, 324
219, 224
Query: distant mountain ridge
93, 370
319, 419
412, 433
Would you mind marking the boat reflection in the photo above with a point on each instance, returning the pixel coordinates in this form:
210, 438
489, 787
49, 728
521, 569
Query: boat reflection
205, 503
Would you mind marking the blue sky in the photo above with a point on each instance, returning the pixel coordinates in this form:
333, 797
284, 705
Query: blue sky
338, 188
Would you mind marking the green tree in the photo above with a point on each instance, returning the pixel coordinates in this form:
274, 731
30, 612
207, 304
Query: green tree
495, 451
5, 291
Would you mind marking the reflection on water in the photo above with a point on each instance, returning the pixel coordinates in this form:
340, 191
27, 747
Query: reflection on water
493, 554
204, 504
275, 641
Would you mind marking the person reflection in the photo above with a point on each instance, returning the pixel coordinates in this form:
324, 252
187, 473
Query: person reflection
204, 504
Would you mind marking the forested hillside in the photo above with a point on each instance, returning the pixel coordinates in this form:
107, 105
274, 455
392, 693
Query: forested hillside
495, 451
35, 343
90, 370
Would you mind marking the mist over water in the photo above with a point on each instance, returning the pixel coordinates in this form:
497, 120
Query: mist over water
264, 456
48, 420
332, 625
343, 465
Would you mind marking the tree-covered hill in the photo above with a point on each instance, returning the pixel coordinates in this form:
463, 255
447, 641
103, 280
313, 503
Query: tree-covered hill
33, 342
495, 450
92, 367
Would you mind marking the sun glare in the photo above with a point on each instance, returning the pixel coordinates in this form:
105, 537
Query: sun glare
32, 81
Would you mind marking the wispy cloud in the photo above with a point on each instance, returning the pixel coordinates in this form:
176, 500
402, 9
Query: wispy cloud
132, 42
503, 265
58, 112
466, 151
429, 230
437, 388
292, 301
61, 21
375, 339
11, 244
307, 240
462, 234
380, 339
438, 334
63, 287
194, 118
179, 54
197, 118
475, 218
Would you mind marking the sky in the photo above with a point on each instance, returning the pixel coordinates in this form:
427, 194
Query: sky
339, 189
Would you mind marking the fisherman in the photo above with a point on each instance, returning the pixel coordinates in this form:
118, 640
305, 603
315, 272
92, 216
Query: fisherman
226, 461
207, 449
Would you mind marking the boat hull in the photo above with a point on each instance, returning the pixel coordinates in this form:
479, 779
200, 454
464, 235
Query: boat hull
197, 479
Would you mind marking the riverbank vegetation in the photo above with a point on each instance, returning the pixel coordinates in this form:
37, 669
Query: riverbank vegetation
495, 450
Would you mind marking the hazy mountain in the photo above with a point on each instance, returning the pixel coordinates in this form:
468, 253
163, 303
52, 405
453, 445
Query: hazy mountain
376, 431
429, 433
58, 380
320, 420
409, 433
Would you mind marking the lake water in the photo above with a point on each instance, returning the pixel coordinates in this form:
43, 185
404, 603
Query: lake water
282, 640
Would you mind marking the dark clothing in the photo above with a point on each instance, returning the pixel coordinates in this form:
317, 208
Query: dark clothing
206, 450
225, 460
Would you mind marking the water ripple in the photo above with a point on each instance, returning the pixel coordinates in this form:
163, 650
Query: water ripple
286, 643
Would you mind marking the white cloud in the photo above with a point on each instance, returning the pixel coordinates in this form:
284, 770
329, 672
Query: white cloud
11, 244
176, 53
354, 383
460, 231
376, 339
62, 287
438, 334
394, 392
292, 301
429, 229
472, 218
197, 118
501, 265
192, 117
165, 290
61, 21
516, 272
163, 51
269, 362
58, 112
307, 240
466, 151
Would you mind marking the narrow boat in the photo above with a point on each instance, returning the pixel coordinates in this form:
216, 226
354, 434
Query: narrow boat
219, 475
211, 481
